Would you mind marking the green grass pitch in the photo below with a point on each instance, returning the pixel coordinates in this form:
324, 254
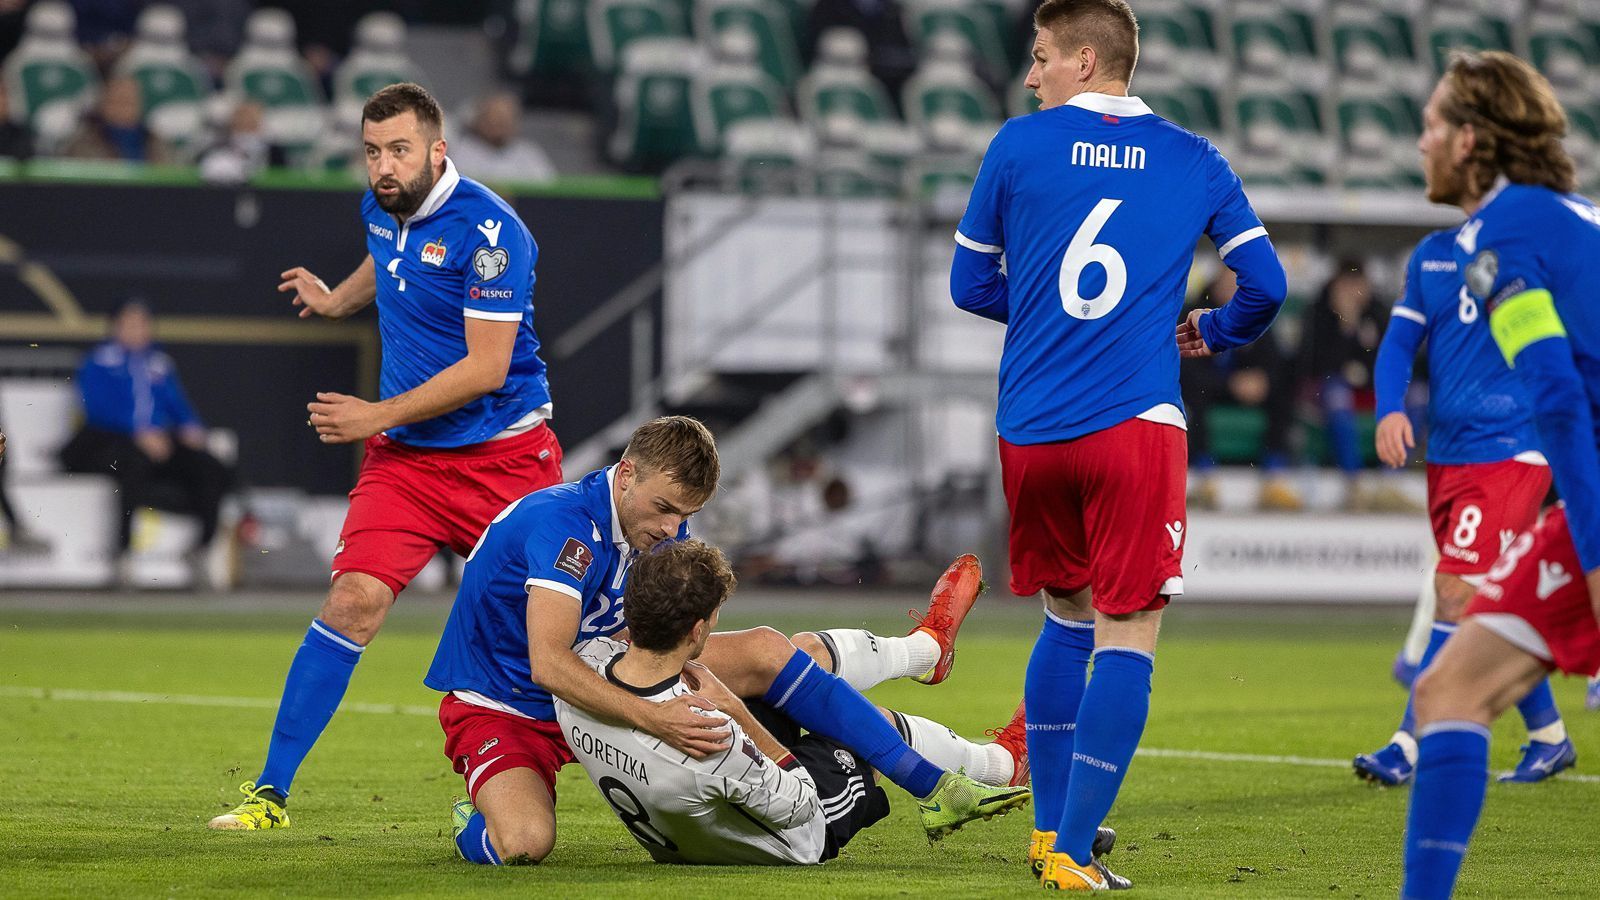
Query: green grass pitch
107, 778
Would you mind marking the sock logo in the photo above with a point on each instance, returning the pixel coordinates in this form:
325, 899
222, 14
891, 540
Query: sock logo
1553, 576
1175, 530
1052, 726
1097, 763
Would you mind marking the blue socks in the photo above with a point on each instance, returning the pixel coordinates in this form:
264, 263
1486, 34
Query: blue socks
1441, 632
825, 703
1539, 707
1110, 723
1452, 773
473, 842
1052, 692
317, 680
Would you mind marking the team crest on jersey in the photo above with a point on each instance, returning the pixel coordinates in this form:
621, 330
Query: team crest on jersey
490, 264
433, 252
1481, 272
845, 760
575, 559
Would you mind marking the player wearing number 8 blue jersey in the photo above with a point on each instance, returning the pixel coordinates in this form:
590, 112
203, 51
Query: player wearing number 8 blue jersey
1096, 205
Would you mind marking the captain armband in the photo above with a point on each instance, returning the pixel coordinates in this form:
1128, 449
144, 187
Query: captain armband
1524, 319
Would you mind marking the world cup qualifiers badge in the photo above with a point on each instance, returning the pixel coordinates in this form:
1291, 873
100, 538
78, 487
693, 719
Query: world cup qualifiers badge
490, 264
433, 253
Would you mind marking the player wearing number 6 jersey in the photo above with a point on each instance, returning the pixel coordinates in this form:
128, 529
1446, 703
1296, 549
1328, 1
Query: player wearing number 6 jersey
1486, 479
1530, 254
1096, 205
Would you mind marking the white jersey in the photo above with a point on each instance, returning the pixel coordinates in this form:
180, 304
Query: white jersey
735, 808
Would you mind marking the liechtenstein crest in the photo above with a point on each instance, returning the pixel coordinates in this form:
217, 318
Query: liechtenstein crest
433, 252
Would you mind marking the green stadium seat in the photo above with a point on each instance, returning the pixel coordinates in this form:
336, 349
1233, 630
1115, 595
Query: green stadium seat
777, 53
840, 84
552, 38
848, 172
171, 79
944, 85
1292, 110
768, 156
614, 24
1236, 434
1267, 37
927, 19
1194, 106
267, 70
655, 119
1461, 29
733, 89
1368, 41
1563, 53
377, 59
1020, 101
49, 79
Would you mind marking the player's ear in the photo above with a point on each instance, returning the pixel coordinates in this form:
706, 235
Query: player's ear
1465, 139
437, 152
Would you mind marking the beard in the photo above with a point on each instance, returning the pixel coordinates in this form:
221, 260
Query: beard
408, 199
1446, 184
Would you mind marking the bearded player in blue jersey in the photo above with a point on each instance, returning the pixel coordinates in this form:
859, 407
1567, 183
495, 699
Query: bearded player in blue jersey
1486, 477
1530, 254
550, 572
460, 429
1096, 205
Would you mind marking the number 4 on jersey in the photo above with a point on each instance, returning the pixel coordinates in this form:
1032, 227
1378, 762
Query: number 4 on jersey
1083, 251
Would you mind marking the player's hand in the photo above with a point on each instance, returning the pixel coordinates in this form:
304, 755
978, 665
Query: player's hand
1190, 344
1395, 440
311, 293
343, 419
154, 444
706, 684
687, 731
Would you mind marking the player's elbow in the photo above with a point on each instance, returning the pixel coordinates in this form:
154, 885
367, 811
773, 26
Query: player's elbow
490, 376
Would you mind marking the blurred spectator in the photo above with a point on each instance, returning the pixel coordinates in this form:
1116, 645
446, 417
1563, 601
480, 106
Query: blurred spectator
12, 13
242, 152
116, 129
140, 429
215, 29
493, 149
19, 540
16, 142
324, 30
1256, 376
104, 27
891, 56
1338, 349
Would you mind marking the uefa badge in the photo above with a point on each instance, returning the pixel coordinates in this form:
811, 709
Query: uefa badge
1481, 273
490, 264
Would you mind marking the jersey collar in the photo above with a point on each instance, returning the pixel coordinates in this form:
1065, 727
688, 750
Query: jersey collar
1110, 104
442, 189
617, 536
660, 691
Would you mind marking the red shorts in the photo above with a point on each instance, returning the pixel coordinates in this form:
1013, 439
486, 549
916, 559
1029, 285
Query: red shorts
410, 501
1104, 511
1536, 598
1478, 508
481, 743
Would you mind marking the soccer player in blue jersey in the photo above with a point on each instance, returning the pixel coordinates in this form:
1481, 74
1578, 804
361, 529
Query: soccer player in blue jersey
1486, 477
1096, 205
460, 430
1530, 256
550, 572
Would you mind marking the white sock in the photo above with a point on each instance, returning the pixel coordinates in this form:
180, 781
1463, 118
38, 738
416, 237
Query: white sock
1408, 745
1554, 733
984, 763
865, 660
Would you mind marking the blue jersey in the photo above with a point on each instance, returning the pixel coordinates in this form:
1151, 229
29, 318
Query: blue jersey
1097, 207
129, 391
565, 538
1532, 256
463, 254
1478, 411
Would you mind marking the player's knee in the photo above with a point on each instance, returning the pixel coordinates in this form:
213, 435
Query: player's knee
816, 648
356, 606
773, 650
522, 844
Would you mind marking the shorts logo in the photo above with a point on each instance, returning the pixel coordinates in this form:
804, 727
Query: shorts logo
1175, 531
575, 559
845, 760
488, 745
433, 252
1481, 273
490, 264
1553, 576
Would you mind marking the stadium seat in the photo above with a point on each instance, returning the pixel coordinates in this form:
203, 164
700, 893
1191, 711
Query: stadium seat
768, 155
1194, 106
840, 84
926, 19
1174, 36
1280, 136
1267, 36
849, 172
1020, 101
377, 59
614, 24
943, 85
171, 79
1368, 41
777, 53
1292, 110
1361, 106
733, 88
552, 38
49, 79
268, 70
655, 124
1565, 54
1452, 28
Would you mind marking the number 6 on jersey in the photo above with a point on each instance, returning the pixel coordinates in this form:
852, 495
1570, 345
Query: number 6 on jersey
1083, 251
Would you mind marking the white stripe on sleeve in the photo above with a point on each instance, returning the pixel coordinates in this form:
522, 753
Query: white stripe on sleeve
492, 316
1406, 312
556, 586
1246, 237
971, 244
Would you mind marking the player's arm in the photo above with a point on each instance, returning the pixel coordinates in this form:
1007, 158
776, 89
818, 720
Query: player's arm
708, 685
977, 279
552, 628
313, 295
1244, 247
781, 794
341, 418
1392, 369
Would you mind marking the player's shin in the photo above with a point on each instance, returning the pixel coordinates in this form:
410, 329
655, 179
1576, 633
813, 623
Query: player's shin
1111, 720
1053, 688
1446, 799
866, 660
316, 683
1437, 636
984, 763
826, 704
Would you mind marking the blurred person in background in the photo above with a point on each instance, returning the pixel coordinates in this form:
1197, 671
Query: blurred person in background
16, 141
105, 26
18, 539
1255, 376
890, 55
242, 151
1338, 350
493, 148
116, 130
140, 429
214, 29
